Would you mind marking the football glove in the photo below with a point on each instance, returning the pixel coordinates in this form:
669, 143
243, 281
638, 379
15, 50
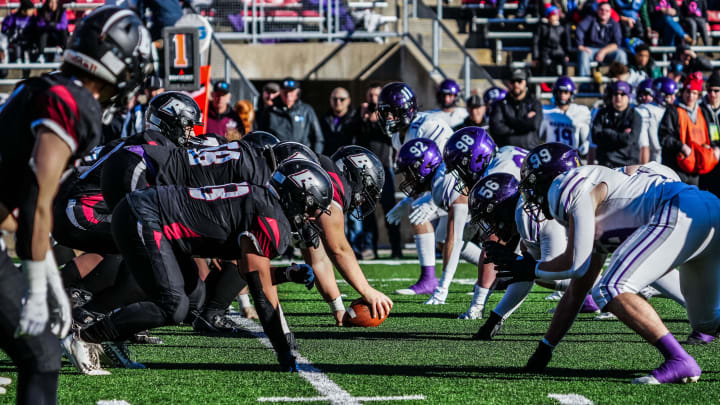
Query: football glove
301, 274
399, 211
540, 359
498, 253
60, 307
422, 209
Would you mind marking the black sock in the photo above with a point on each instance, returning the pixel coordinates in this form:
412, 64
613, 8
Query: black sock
37, 388
70, 275
104, 275
269, 316
63, 254
222, 289
124, 292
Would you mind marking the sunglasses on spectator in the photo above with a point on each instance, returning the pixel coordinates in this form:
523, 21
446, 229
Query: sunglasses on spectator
341, 99
715, 90
620, 94
516, 80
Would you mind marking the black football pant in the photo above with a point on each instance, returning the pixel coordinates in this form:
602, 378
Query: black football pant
222, 288
84, 224
166, 278
37, 358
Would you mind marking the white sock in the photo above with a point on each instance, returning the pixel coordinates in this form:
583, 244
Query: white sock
425, 245
244, 300
471, 253
513, 297
283, 322
480, 295
560, 285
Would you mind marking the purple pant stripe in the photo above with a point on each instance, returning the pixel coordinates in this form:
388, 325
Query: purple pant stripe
663, 228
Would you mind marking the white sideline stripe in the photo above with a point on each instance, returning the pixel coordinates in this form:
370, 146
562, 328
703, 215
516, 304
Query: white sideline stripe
570, 399
322, 383
325, 399
112, 402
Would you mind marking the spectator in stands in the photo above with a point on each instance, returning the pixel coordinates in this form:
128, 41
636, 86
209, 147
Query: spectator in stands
292, 120
373, 137
222, 118
690, 61
18, 27
642, 66
51, 25
476, 113
163, 13
662, 15
615, 130
269, 92
340, 124
246, 112
685, 133
599, 38
631, 24
551, 45
711, 181
134, 121
516, 119
521, 9
693, 15
651, 113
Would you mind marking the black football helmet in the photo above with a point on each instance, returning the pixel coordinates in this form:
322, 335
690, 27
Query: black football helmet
305, 190
365, 173
112, 45
293, 150
173, 114
260, 139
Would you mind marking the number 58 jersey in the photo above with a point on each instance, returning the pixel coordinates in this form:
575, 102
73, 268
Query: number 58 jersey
209, 221
571, 127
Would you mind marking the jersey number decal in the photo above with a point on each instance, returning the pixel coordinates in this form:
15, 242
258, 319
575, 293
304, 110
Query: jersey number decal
418, 148
180, 60
464, 143
220, 192
564, 135
489, 188
213, 156
543, 156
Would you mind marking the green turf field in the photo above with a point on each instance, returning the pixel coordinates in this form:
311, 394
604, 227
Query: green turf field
419, 351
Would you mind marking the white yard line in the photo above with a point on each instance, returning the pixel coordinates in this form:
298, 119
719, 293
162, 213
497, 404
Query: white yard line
463, 281
570, 399
329, 391
112, 402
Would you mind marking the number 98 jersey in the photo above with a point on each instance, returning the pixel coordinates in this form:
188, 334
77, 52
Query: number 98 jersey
571, 127
507, 159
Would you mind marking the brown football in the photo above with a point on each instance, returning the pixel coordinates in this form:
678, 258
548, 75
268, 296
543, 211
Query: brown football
359, 314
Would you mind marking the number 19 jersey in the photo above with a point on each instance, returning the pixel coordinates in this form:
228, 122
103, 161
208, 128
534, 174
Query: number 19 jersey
571, 127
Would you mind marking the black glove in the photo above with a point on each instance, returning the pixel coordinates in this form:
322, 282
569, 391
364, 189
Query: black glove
540, 359
497, 253
522, 269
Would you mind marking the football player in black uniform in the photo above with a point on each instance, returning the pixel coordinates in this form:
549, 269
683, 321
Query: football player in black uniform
159, 229
48, 123
357, 176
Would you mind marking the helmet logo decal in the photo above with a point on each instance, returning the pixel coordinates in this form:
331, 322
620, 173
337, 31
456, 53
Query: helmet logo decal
303, 178
298, 155
359, 160
465, 142
543, 156
172, 107
488, 189
418, 148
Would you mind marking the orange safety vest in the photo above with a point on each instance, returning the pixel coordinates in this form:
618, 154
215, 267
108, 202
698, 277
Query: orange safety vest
695, 134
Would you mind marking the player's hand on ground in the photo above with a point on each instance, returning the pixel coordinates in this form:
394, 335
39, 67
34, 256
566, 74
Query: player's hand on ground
497, 253
301, 274
380, 304
422, 212
521, 269
399, 211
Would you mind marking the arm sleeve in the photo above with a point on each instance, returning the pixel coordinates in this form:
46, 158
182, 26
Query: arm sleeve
617, 34
62, 25
645, 15
643, 137
536, 42
583, 123
580, 33
580, 207
553, 240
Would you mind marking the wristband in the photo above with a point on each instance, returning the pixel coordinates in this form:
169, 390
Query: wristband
244, 300
336, 304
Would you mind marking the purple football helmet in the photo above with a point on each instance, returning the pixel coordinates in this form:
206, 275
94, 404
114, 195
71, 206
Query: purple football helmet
447, 86
645, 88
417, 161
493, 95
563, 83
538, 171
467, 154
397, 107
664, 86
492, 204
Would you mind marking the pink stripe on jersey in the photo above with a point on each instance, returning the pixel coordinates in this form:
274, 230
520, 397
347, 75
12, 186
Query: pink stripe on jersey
178, 231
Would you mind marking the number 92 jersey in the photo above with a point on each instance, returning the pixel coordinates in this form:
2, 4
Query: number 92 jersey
571, 127
209, 221
425, 126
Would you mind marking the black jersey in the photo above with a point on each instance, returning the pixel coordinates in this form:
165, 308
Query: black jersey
342, 190
139, 167
52, 101
208, 221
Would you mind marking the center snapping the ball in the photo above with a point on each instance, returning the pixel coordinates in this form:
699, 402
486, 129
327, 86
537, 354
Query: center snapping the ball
360, 314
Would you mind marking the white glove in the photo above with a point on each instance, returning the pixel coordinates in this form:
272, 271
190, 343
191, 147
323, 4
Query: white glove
399, 211
422, 209
60, 308
34, 314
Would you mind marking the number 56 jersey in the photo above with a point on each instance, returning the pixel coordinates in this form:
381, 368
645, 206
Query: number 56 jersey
209, 221
571, 127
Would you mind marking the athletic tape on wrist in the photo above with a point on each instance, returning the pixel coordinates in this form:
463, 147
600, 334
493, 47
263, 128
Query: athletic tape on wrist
336, 304
244, 300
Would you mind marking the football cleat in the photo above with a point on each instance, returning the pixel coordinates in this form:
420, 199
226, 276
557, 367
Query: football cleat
474, 312
287, 362
589, 306
117, 354
539, 359
699, 338
439, 296
426, 286
216, 324
555, 296
83, 355
78, 297
605, 316
144, 338
673, 371
491, 327
292, 342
